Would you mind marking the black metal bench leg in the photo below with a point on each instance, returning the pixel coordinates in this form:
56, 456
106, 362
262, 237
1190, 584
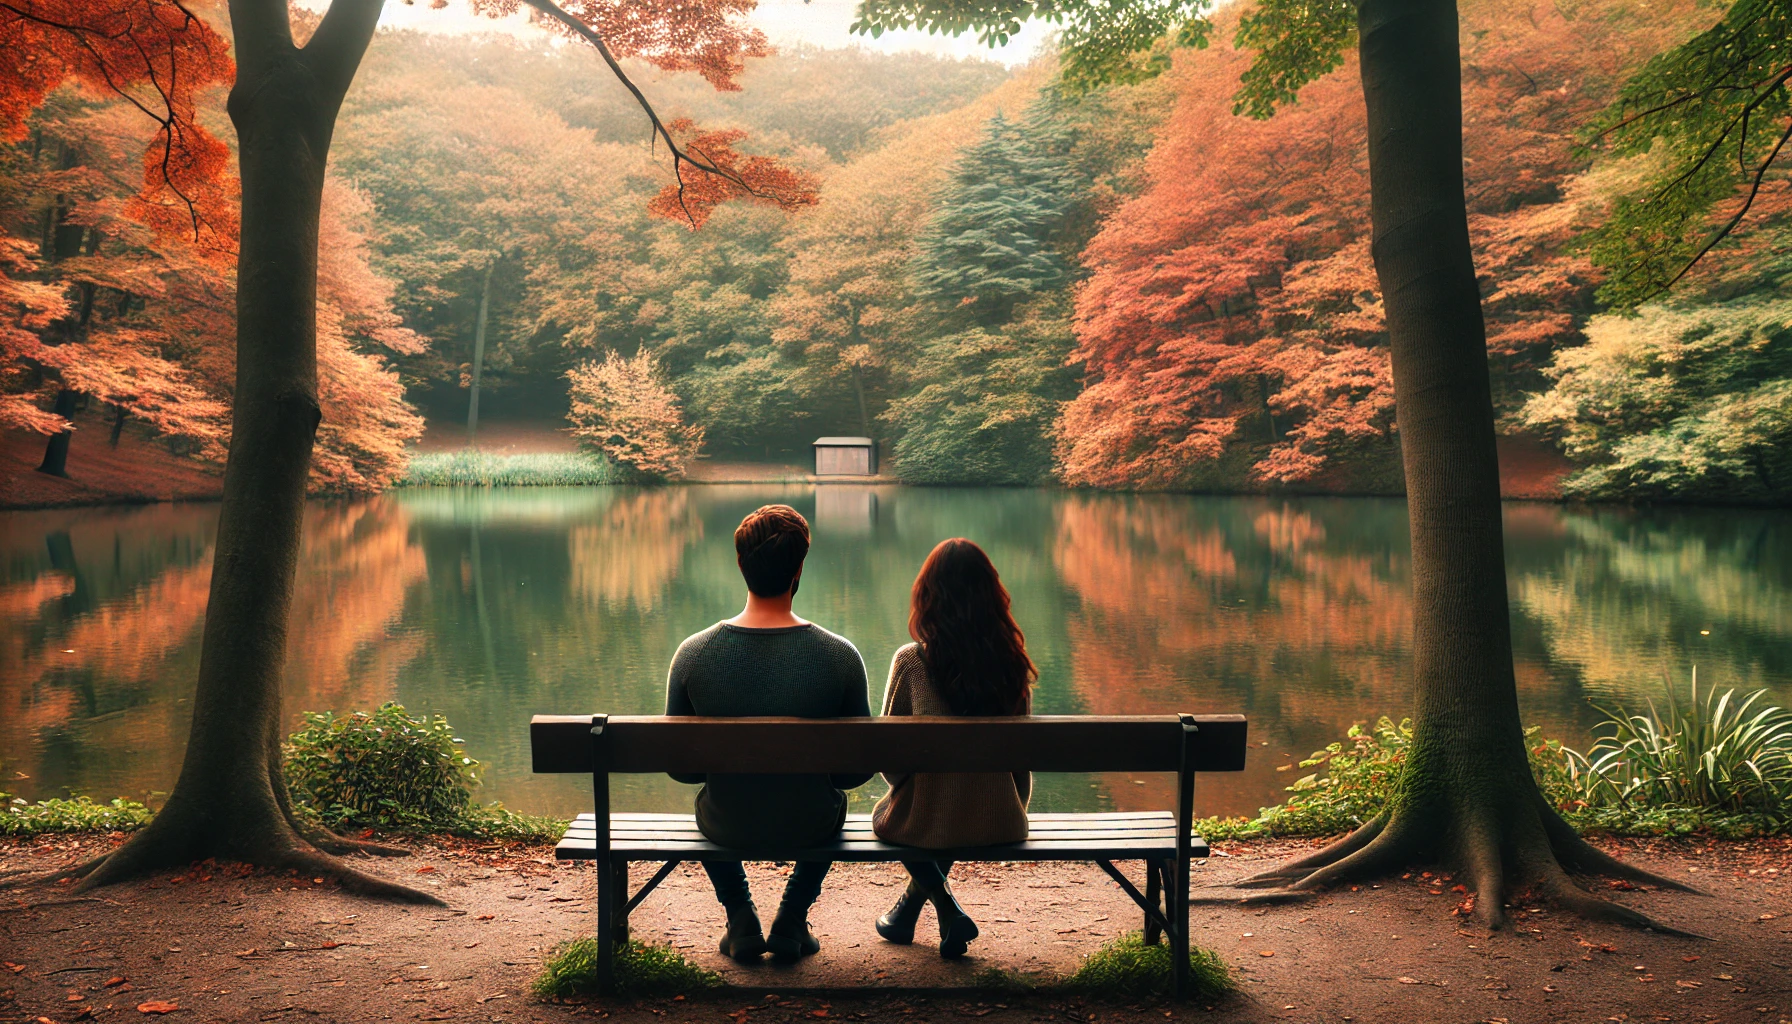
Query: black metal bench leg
619, 921
606, 930
1154, 894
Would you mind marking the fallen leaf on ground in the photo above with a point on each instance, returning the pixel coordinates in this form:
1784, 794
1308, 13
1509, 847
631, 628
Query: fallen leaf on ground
1404, 980
1266, 952
157, 1006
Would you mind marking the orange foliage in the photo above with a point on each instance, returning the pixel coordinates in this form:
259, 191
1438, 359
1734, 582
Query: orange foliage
710, 38
623, 411
1234, 302
705, 36
86, 320
697, 192
162, 59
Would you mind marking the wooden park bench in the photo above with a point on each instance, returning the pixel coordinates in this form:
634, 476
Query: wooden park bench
1184, 744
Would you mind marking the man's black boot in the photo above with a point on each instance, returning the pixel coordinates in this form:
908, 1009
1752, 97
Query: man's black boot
898, 925
743, 940
790, 937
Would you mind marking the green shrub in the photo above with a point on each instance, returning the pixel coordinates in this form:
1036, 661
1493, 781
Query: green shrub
494, 822
473, 468
19, 817
1129, 969
640, 970
382, 770
1721, 753
1717, 765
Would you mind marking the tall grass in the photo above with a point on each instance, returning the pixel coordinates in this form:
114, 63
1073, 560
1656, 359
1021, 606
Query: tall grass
1717, 751
472, 468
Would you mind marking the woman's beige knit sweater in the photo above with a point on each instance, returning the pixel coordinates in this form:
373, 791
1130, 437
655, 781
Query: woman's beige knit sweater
941, 810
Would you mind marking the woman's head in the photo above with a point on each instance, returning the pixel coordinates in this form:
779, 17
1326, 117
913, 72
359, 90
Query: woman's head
974, 653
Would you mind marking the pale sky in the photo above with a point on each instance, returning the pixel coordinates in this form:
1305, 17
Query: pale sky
820, 22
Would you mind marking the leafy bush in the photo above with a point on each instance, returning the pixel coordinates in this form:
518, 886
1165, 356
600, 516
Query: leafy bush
1718, 754
79, 814
640, 970
473, 468
381, 770
1719, 765
1129, 969
623, 411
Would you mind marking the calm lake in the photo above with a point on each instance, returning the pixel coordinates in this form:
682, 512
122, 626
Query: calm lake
488, 606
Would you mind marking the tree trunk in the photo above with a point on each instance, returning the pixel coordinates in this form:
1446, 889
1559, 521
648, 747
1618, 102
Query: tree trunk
56, 451
119, 414
858, 391
485, 295
1467, 797
230, 800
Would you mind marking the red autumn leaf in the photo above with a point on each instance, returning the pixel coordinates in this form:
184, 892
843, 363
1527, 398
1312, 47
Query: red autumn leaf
158, 1006
757, 179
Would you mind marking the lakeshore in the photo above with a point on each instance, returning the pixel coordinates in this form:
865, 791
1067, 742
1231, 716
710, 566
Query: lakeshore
231, 945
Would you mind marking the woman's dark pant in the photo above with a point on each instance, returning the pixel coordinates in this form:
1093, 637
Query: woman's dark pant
803, 889
930, 875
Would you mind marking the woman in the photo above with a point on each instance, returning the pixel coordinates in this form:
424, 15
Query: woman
968, 658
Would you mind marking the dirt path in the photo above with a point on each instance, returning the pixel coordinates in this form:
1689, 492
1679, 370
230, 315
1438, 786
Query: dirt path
224, 947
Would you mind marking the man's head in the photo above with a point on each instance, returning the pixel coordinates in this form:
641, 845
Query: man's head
770, 545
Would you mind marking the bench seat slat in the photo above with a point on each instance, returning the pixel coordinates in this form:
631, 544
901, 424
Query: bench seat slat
573, 848
622, 839
862, 822
1096, 836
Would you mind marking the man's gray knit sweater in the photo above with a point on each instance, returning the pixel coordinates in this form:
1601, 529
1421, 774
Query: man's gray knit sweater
804, 671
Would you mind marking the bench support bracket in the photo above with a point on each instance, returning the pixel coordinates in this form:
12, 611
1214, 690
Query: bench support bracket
1148, 901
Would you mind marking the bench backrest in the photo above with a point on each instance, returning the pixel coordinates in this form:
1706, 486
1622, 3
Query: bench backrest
1043, 743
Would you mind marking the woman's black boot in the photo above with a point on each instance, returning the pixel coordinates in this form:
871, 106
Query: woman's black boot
743, 940
956, 927
898, 925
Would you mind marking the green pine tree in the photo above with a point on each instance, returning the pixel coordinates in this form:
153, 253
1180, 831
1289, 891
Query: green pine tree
989, 245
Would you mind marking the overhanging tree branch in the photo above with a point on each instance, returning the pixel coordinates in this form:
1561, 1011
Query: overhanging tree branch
680, 155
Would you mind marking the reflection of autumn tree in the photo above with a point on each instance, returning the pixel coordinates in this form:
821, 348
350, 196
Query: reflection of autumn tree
629, 556
1252, 607
359, 562
99, 612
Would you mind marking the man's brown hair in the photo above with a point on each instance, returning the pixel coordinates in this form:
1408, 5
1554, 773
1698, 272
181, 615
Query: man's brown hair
770, 545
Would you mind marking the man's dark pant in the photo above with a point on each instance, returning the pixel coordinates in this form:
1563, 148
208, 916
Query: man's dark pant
803, 889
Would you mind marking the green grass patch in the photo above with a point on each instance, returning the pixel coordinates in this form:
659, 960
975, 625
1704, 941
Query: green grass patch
19, 817
640, 970
473, 468
1127, 968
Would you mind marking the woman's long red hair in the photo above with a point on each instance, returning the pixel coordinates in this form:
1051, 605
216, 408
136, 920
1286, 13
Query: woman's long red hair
975, 654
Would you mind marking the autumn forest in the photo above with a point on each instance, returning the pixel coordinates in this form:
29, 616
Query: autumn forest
1002, 277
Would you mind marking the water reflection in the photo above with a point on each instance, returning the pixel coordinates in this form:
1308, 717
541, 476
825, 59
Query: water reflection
491, 605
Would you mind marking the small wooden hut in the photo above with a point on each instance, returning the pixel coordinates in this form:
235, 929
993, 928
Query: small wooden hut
845, 456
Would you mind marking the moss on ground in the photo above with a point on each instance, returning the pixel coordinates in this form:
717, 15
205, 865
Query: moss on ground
1127, 968
640, 970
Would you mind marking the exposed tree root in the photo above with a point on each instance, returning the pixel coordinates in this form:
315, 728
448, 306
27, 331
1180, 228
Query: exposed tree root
340, 845
1495, 856
168, 844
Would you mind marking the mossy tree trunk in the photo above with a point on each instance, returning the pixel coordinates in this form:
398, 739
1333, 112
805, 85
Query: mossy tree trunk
1467, 797
230, 801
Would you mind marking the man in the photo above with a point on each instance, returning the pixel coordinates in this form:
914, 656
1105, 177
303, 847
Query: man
767, 661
